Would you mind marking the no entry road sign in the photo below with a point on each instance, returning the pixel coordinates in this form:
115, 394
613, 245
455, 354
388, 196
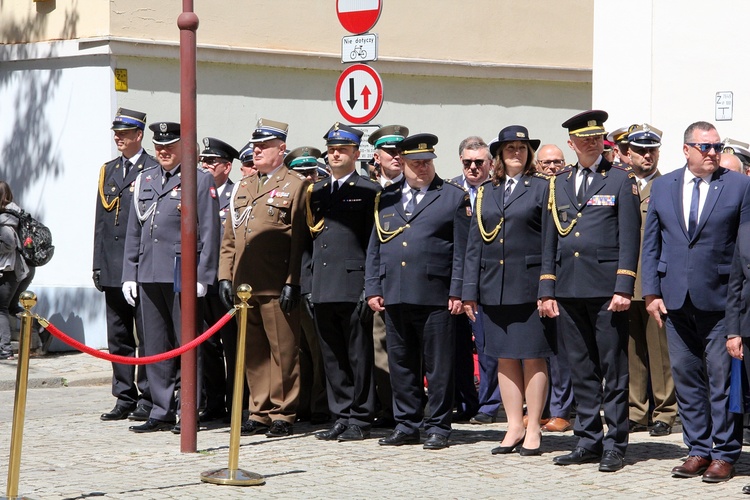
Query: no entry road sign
359, 93
358, 16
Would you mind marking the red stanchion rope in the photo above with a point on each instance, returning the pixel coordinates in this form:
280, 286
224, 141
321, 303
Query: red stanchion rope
127, 360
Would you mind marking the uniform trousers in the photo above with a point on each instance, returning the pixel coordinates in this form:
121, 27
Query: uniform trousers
561, 398
466, 398
272, 360
700, 368
347, 350
596, 341
217, 359
648, 358
160, 311
489, 389
382, 372
129, 383
421, 341
313, 397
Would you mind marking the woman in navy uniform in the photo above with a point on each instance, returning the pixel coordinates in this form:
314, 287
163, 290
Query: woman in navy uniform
503, 263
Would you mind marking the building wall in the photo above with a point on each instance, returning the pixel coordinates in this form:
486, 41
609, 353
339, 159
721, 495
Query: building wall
670, 67
28, 21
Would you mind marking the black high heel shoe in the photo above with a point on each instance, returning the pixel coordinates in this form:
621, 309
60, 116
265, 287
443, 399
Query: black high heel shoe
530, 452
504, 450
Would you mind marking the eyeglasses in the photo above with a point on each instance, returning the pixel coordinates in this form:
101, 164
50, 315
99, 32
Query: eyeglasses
547, 163
477, 162
213, 161
705, 147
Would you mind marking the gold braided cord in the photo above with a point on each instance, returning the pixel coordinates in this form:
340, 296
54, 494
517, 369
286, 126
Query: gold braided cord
552, 206
383, 235
487, 237
314, 228
108, 205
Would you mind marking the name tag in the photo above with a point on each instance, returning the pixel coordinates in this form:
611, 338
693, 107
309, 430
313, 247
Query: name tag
602, 200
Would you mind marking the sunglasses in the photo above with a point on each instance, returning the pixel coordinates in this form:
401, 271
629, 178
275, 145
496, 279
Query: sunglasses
705, 147
213, 161
478, 163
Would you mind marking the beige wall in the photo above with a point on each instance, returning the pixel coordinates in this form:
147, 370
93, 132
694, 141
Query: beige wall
28, 21
550, 33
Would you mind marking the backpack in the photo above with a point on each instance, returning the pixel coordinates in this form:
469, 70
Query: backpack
36, 239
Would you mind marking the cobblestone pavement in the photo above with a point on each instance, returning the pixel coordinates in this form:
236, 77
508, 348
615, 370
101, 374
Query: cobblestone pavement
68, 453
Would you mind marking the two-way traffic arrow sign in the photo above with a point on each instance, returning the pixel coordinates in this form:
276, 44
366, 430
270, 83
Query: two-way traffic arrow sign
359, 93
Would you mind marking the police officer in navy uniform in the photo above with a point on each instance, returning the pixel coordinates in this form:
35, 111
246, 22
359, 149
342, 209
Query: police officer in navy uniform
217, 378
341, 217
116, 184
589, 259
151, 269
414, 273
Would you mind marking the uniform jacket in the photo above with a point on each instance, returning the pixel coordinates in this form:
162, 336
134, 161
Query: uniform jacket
152, 247
645, 199
422, 265
224, 199
111, 226
737, 314
265, 248
675, 264
506, 271
339, 250
599, 256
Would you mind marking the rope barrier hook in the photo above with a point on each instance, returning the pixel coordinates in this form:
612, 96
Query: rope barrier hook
233, 476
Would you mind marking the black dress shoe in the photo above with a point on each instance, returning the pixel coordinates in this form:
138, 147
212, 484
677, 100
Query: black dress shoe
279, 428
354, 433
208, 415
746, 489
252, 427
152, 425
636, 427
504, 450
176, 429
530, 452
660, 429
332, 433
140, 414
577, 456
117, 413
611, 461
435, 442
397, 438
383, 423
482, 418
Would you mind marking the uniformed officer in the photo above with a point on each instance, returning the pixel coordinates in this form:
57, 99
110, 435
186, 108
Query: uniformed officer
264, 238
116, 184
648, 353
589, 260
620, 139
340, 218
413, 273
151, 268
739, 150
387, 159
313, 400
217, 379
246, 159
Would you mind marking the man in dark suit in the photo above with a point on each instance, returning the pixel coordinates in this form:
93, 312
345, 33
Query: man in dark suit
589, 260
116, 184
217, 355
341, 217
264, 239
689, 238
151, 266
648, 354
481, 408
414, 273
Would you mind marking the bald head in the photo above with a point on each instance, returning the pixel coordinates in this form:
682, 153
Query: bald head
731, 162
549, 159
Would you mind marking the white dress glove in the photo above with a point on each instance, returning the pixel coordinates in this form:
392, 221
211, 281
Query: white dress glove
202, 289
130, 291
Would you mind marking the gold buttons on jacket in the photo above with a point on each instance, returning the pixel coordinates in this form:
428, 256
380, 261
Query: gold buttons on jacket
576, 254
403, 264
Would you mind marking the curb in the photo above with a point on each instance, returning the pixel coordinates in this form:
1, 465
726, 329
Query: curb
56, 382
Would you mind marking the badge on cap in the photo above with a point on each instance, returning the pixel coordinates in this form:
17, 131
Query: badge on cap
206, 142
163, 127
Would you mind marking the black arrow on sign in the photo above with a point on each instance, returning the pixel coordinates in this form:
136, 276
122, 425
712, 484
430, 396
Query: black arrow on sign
352, 101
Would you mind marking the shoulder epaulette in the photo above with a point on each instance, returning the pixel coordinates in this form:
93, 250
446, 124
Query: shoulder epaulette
454, 184
566, 169
299, 176
541, 175
621, 166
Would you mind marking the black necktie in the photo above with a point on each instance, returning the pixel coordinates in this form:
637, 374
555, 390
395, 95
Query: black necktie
128, 166
335, 187
584, 185
508, 190
693, 214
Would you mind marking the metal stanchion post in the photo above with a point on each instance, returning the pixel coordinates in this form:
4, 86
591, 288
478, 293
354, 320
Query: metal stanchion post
232, 475
28, 300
